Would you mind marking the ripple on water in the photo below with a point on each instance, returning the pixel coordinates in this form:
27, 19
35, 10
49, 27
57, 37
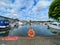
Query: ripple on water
39, 30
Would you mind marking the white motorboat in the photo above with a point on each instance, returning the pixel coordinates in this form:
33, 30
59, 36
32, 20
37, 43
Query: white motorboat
55, 26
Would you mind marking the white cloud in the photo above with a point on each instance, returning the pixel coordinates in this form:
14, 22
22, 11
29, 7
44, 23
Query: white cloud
41, 4
31, 11
2, 3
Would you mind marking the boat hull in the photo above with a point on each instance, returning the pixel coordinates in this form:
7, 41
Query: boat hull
53, 28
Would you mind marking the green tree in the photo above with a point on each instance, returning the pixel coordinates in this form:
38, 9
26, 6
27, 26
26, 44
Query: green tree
54, 10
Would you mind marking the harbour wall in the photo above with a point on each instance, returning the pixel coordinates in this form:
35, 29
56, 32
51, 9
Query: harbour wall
54, 40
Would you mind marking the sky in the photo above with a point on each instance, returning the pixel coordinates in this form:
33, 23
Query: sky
35, 10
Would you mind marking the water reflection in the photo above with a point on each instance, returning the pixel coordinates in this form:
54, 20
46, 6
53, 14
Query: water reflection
39, 30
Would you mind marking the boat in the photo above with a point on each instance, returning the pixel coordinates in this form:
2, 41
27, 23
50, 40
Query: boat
54, 26
4, 26
16, 24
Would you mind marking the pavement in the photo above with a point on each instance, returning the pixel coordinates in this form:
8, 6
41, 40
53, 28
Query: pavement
55, 40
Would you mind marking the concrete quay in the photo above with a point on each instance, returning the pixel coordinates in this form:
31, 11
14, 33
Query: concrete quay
53, 40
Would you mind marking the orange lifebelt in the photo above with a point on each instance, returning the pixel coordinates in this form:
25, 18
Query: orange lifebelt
31, 33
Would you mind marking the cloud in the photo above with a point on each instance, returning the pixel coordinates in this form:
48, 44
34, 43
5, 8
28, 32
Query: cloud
41, 4
25, 9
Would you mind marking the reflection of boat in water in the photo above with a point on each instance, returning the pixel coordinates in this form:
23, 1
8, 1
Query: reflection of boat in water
55, 26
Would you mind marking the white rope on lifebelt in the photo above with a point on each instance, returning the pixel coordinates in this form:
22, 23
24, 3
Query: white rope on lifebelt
31, 33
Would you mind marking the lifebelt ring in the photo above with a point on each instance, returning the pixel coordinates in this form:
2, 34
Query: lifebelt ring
31, 33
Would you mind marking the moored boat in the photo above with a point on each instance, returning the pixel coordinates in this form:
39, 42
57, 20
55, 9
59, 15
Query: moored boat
54, 26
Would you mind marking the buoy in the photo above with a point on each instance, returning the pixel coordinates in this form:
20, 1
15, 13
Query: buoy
31, 32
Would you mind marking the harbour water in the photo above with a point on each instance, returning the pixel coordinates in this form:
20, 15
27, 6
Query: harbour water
40, 30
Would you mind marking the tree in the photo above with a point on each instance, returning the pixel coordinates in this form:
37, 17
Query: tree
54, 10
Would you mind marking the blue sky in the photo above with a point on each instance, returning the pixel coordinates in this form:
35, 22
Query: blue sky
25, 9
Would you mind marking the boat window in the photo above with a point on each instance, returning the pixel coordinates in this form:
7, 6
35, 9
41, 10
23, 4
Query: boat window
1, 22
55, 24
6, 22
59, 25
